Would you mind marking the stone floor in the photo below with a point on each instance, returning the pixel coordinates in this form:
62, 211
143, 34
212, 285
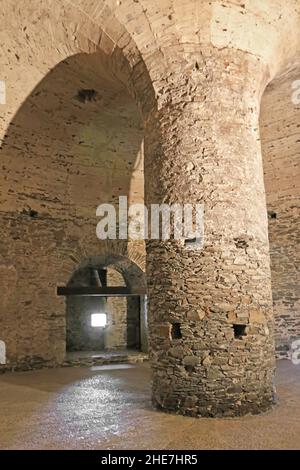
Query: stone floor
108, 407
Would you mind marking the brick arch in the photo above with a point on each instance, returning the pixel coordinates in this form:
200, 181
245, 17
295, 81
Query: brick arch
133, 274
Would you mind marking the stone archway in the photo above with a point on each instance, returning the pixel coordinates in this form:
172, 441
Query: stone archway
126, 322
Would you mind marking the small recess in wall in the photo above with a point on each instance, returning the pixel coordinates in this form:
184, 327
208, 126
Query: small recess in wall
176, 331
30, 212
85, 95
241, 243
239, 331
272, 215
33, 213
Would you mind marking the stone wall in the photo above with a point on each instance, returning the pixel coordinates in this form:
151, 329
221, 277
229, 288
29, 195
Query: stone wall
117, 308
124, 317
64, 152
280, 134
77, 74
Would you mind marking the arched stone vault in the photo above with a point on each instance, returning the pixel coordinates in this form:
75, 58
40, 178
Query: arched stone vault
132, 273
74, 143
197, 71
137, 36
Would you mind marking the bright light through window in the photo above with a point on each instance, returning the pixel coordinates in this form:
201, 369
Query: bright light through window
98, 320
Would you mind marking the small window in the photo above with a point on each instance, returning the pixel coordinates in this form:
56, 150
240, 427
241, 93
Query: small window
98, 320
176, 331
239, 331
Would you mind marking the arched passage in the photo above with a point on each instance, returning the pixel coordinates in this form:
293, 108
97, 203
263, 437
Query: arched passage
124, 323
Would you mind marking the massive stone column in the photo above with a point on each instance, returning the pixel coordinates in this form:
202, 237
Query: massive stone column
210, 310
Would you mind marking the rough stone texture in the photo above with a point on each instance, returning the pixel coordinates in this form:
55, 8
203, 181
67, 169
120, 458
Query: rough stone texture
280, 134
210, 134
60, 158
196, 71
124, 318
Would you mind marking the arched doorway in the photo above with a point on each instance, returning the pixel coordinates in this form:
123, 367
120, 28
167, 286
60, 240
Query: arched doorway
113, 320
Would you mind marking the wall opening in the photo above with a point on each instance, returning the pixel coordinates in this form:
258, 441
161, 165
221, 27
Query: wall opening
103, 324
98, 320
176, 331
239, 331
